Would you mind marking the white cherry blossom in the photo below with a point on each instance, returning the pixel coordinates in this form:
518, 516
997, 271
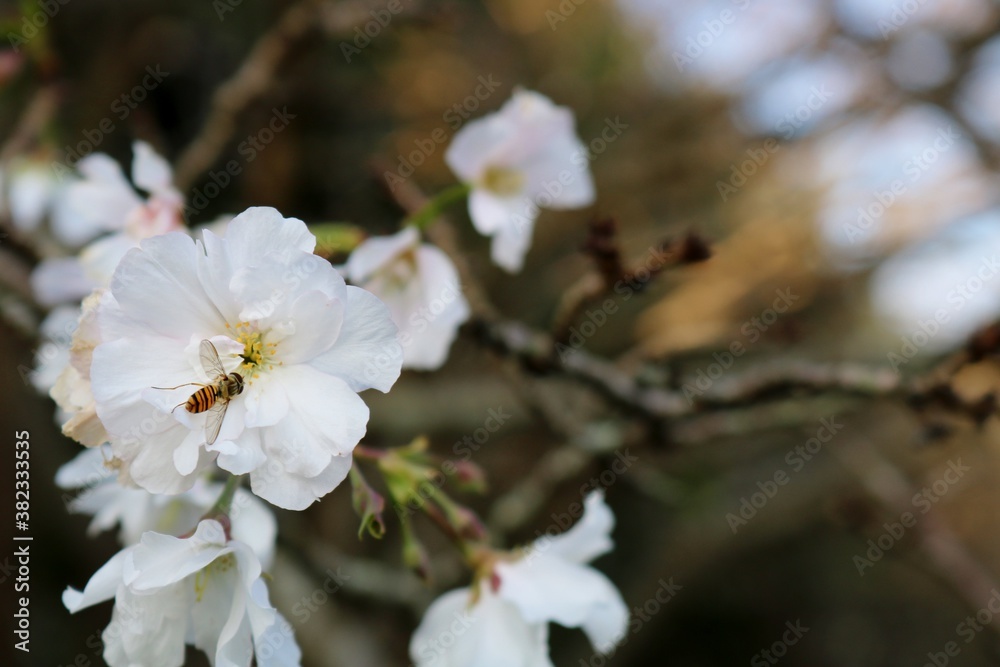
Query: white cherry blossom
28, 190
71, 389
137, 511
420, 286
205, 590
503, 620
53, 355
523, 157
100, 202
303, 341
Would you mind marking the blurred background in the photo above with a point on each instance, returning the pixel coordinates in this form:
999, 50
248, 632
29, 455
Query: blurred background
838, 157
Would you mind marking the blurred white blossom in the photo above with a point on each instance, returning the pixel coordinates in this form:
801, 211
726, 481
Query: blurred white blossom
71, 390
52, 356
420, 286
100, 202
523, 157
937, 293
503, 619
205, 590
137, 511
29, 190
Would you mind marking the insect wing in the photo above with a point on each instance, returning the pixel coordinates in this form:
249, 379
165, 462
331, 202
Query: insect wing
213, 420
210, 360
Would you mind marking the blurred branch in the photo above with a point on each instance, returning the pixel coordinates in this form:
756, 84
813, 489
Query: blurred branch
513, 509
15, 274
254, 77
365, 578
38, 112
953, 562
611, 274
257, 75
537, 350
963, 51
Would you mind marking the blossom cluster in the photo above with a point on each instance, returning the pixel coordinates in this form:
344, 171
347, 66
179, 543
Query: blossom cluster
191, 360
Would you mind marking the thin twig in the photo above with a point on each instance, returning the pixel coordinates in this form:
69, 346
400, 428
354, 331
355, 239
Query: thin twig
34, 118
254, 78
537, 350
889, 486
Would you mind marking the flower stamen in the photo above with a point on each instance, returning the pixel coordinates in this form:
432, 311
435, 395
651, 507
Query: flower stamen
257, 353
503, 181
221, 565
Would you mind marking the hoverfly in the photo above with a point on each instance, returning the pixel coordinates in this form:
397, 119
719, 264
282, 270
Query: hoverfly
212, 398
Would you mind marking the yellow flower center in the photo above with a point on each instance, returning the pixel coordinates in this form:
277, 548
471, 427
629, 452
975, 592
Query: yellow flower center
219, 566
399, 274
502, 181
257, 354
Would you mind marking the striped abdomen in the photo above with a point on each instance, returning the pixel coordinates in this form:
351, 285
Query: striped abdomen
202, 400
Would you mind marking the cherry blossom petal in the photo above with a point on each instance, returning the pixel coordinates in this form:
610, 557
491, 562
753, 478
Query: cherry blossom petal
276, 646
511, 243
60, 280
374, 253
102, 585
253, 524
294, 492
490, 633
260, 231
366, 354
160, 560
150, 171
556, 178
478, 145
30, 195
144, 630
240, 458
589, 538
545, 588
101, 202
166, 266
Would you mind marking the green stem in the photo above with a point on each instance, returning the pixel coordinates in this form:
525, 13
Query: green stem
368, 453
225, 501
433, 209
